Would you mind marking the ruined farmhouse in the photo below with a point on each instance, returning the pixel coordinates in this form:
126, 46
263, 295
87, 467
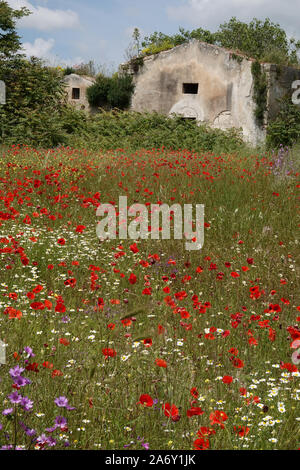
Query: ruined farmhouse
213, 85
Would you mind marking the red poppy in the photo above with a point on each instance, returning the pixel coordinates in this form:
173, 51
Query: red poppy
56, 373
171, 411
194, 392
160, 363
241, 430
13, 313
64, 341
201, 444
147, 291
108, 352
80, 228
146, 400
238, 363
227, 379
33, 367
132, 278
205, 431
194, 411
60, 307
218, 417
134, 248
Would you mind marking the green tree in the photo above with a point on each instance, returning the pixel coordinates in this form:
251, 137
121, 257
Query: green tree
34, 103
111, 92
97, 93
9, 39
262, 40
120, 91
258, 39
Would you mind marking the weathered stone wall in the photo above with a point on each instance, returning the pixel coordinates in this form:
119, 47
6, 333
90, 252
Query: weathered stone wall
225, 87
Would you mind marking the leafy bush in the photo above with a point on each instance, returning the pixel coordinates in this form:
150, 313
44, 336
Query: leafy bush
111, 92
285, 129
97, 93
123, 129
120, 91
34, 103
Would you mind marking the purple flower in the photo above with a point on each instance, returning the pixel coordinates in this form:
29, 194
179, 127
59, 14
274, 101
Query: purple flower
8, 411
61, 421
15, 397
66, 319
70, 408
51, 441
62, 402
16, 371
28, 431
22, 381
26, 403
29, 351
52, 429
44, 440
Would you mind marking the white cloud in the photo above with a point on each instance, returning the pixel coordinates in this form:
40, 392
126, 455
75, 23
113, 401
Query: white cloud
40, 48
46, 19
43, 49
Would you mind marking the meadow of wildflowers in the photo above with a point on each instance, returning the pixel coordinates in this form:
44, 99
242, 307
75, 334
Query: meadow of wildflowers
140, 344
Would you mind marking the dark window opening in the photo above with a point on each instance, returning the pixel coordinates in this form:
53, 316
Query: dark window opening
188, 118
75, 93
190, 88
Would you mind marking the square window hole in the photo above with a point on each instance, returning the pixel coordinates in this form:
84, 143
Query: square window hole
190, 88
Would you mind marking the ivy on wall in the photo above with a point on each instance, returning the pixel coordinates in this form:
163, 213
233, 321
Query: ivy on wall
260, 91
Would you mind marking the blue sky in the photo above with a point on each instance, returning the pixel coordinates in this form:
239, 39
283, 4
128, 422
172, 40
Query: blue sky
75, 31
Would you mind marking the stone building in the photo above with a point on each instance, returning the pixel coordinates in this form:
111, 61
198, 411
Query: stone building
76, 86
210, 84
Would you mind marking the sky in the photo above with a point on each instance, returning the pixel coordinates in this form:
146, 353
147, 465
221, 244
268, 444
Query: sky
70, 32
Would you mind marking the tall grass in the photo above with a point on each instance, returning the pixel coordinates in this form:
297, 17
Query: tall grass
202, 311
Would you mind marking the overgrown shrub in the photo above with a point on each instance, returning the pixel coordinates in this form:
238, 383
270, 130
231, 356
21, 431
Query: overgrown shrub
285, 129
260, 91
111, 92
34, 103
132, 130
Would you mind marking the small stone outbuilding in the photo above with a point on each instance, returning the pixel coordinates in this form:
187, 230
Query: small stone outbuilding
209, 84
76, 87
